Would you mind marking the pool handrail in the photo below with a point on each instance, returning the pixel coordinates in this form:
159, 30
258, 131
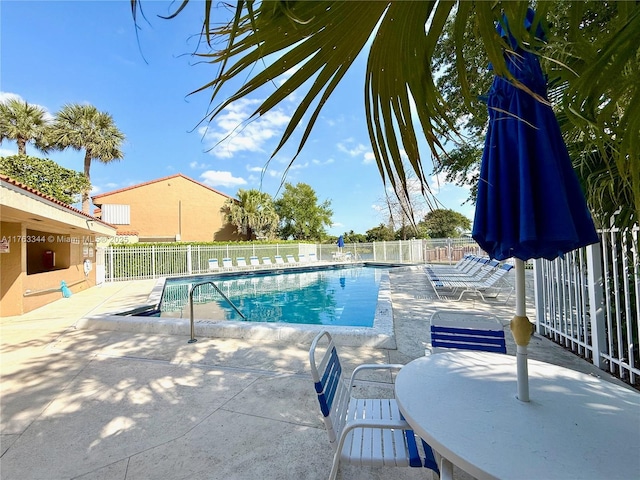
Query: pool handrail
193, 339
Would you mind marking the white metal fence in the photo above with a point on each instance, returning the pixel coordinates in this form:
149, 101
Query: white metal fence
588, 300
154, 261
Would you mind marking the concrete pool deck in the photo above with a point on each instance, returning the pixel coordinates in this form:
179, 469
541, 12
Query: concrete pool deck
99, 404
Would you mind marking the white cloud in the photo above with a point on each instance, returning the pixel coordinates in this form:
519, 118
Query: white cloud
369, 157
230, 132
215, 178
350, 147
198, 166
5, 152
328, 161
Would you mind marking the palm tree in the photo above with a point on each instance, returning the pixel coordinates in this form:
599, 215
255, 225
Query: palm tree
22, 122
83, 127
253, 214
313, 44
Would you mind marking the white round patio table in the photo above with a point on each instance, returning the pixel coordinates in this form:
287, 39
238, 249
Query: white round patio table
576, 426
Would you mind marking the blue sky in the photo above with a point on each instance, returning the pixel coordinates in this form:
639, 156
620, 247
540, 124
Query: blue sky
54, 53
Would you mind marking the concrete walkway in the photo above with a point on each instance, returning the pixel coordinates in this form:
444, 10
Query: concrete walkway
87, 404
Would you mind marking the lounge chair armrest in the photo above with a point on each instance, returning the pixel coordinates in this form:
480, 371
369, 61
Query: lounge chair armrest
373, 366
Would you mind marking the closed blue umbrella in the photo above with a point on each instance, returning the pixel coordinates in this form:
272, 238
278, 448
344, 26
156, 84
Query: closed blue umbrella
530, 203
340, 242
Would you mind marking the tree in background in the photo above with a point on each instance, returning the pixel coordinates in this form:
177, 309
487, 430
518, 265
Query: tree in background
599, 155
443, 223
380, 233
22, 122
84, 128
353, 237
253, 214
46, 176
301, 217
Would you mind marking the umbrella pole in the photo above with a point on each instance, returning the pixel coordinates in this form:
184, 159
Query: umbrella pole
521, 329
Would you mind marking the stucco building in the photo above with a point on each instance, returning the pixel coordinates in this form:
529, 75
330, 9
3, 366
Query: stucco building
43, 242
169, 209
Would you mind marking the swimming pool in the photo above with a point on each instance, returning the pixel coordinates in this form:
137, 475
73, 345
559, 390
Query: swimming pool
138, 320
344, 296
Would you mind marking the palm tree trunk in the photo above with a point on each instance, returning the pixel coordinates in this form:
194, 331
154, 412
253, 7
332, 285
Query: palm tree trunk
86, 203
22, 146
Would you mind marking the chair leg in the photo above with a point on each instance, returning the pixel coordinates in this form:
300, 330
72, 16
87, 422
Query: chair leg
334, 466
446, 469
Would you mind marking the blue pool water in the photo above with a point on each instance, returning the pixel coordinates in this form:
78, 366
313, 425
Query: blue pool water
325, 296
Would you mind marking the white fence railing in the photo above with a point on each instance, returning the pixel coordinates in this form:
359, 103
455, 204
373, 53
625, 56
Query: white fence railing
588, 300
154, 261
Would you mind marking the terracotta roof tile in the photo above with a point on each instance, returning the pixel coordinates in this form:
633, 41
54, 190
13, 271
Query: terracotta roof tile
38, 193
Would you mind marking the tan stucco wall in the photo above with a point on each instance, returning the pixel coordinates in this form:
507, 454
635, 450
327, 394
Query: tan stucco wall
174, 206
11, 271
15, 281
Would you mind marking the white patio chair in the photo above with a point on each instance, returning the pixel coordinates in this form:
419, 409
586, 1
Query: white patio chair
466, 331
227, 263
266, 261
279, 260
241, 262
213, 264
362, 431
291, 259
254, 261
312, 257
302, 258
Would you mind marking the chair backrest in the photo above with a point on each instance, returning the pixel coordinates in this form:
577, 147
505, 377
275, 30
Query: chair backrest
241, 262
254, 261
213, 264
266, 260
279, 259
302, 258
467, 331
496, 276
227, 263
291, 259
312, 257
333, 395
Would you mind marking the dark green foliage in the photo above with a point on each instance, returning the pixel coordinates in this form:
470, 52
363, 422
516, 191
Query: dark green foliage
443, 223
46, 176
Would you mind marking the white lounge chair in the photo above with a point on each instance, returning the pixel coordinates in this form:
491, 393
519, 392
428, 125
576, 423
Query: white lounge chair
291, 259
227, 263
493, 284
302, 258
313, 258
254, 261
362, 431
213, 264
241, 262
266, 261
279, 260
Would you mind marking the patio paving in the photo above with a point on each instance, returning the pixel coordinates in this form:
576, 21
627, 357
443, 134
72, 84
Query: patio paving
93, 405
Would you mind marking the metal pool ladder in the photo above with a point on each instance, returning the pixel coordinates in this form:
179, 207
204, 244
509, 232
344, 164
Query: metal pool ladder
193, 289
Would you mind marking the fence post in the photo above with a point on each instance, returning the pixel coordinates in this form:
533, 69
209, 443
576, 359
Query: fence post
595, 285
110, 263
538, 295
153, 261
189, 270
